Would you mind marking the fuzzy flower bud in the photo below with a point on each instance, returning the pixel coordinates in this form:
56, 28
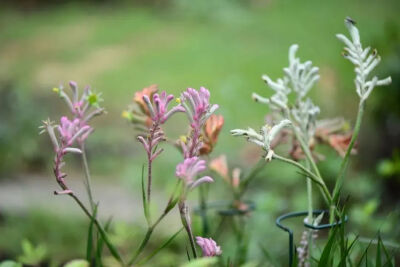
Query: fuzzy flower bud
208, 246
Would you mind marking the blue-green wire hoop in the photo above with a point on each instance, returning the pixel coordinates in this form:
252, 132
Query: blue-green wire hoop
307, 225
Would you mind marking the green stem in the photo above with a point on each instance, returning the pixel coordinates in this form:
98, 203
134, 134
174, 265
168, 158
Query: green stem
185, 218
332, 210
309, 175
142, 245
87, 181
147, 236
307, 152
309, 196
345, 161
102, 232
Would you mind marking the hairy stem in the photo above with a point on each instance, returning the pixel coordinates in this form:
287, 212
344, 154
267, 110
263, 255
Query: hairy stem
309, 175
149, 167
345, 161
307, 152
309, 196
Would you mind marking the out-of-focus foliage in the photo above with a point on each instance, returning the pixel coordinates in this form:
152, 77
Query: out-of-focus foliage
32, 255
121, 47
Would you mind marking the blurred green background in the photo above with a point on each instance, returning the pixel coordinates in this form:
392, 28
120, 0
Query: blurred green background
119, 47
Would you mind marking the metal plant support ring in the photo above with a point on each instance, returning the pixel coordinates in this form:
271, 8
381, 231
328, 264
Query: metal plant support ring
283, 217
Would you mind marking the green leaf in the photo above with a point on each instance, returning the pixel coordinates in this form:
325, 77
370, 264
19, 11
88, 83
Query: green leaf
10, 263
326, 253
161, 247
100, 244
145, 204
378, 262
77, 263
364, 255
347, 252
201, 262
32, 255
89, 245
176, 195
188, 254
388, 257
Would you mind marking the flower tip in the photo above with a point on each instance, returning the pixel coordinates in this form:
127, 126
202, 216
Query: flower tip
126, 115
73, 85
178, 100
56, 90
183, 139
350, 21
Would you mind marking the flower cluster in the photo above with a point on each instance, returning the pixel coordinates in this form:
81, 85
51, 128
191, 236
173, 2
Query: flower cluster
299, 78
198, 109
188, 171
149, 113
70, 132
208, 246
83, 107
150, 108
364, 61
263, 139
158, 108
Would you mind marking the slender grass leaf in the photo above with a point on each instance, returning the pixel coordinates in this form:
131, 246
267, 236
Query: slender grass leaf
161, 247
388, 257
100, 243
326, 253
89, 245
187, 254
345, 257
364, 254
378, 262
145, 204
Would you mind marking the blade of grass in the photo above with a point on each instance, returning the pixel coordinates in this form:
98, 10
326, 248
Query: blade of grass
145, 204
89, 245
388, 257
345, 256
364, 254
326, 253
187, 254
100, 244
378, 261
